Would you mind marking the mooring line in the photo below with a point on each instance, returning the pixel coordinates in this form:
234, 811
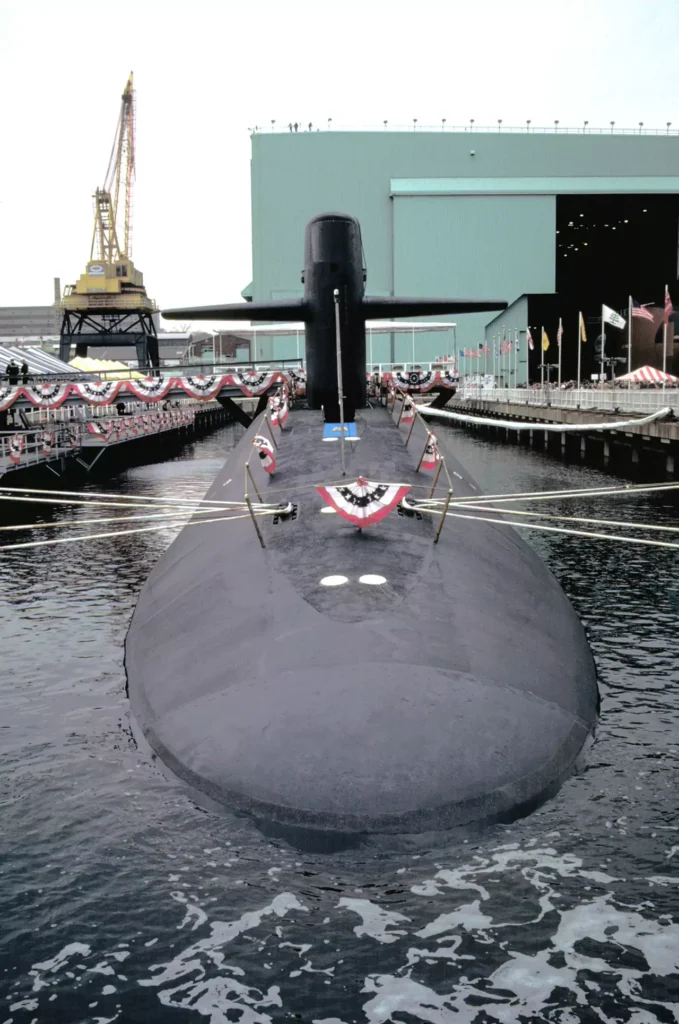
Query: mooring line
120, 533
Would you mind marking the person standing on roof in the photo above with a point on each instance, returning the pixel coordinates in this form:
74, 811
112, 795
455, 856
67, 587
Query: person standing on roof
24, 372
12, 371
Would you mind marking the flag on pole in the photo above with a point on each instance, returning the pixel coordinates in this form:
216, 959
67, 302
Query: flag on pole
431, 453
266, 453
545, 340
668, 305
507, 347
583, 332
408, 414
559, 333
641, 312
529, 339
613, 318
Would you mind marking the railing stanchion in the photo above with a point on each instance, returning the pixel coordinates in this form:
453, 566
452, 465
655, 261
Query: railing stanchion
443, 515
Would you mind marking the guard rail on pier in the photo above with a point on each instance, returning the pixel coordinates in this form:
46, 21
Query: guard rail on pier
599, 400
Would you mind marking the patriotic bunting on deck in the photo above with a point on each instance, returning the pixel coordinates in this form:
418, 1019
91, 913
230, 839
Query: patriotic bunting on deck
431, 453
266, 453
416, 380
364, 502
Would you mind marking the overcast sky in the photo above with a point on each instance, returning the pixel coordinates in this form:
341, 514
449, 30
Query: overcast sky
208, 70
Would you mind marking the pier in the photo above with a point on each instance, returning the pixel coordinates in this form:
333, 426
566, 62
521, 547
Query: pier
627, 451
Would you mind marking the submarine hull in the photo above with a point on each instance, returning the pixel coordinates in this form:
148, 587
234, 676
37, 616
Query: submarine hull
462, 689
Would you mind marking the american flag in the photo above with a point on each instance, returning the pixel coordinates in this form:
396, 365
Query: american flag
668, 305
559, 332
641, 311
506, 347
529, 339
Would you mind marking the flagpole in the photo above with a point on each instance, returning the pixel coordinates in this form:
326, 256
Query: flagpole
629, 343
527, 356
579, 344
559, 347
603, 345
340, 386
542, 356
664, 341
493, 360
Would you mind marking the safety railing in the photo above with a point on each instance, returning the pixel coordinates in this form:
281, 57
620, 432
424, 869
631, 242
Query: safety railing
613, 400
415, 125
30, 449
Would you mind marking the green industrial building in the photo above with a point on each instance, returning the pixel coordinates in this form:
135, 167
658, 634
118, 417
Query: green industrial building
553, 222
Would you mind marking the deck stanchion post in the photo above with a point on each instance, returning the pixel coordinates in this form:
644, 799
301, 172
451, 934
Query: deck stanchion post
249, 472
403, 405
436, 477
443, 515
271, 434
256, 524
246, 498
412, 424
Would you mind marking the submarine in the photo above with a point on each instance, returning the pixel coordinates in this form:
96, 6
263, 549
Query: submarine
407, 675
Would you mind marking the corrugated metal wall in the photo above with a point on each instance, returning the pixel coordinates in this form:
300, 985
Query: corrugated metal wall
478, 247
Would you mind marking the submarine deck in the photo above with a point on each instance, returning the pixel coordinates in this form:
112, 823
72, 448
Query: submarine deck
461, 689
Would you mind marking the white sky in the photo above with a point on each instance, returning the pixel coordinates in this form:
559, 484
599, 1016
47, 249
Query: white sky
206, 70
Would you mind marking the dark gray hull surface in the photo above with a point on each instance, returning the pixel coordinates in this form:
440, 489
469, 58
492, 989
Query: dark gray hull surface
461, 690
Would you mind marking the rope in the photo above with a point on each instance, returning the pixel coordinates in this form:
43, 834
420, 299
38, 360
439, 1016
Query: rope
571, 533
110, 519
86, 504
571, 519
584, 492
592, 493
118, 533
428, 410
422, 507
82, 495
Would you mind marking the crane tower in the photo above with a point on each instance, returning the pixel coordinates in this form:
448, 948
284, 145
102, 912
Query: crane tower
108, 306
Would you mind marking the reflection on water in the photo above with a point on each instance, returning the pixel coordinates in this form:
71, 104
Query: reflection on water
121, 900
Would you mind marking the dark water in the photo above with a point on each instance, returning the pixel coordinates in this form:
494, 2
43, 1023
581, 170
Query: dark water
120, 900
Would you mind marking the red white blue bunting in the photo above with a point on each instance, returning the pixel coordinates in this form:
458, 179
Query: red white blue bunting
364, 502
151, 389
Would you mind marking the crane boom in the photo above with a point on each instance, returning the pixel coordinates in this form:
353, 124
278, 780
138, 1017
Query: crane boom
105, 239
111, 280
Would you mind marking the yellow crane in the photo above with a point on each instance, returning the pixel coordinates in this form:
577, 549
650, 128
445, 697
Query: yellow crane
111, 280
108, 305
